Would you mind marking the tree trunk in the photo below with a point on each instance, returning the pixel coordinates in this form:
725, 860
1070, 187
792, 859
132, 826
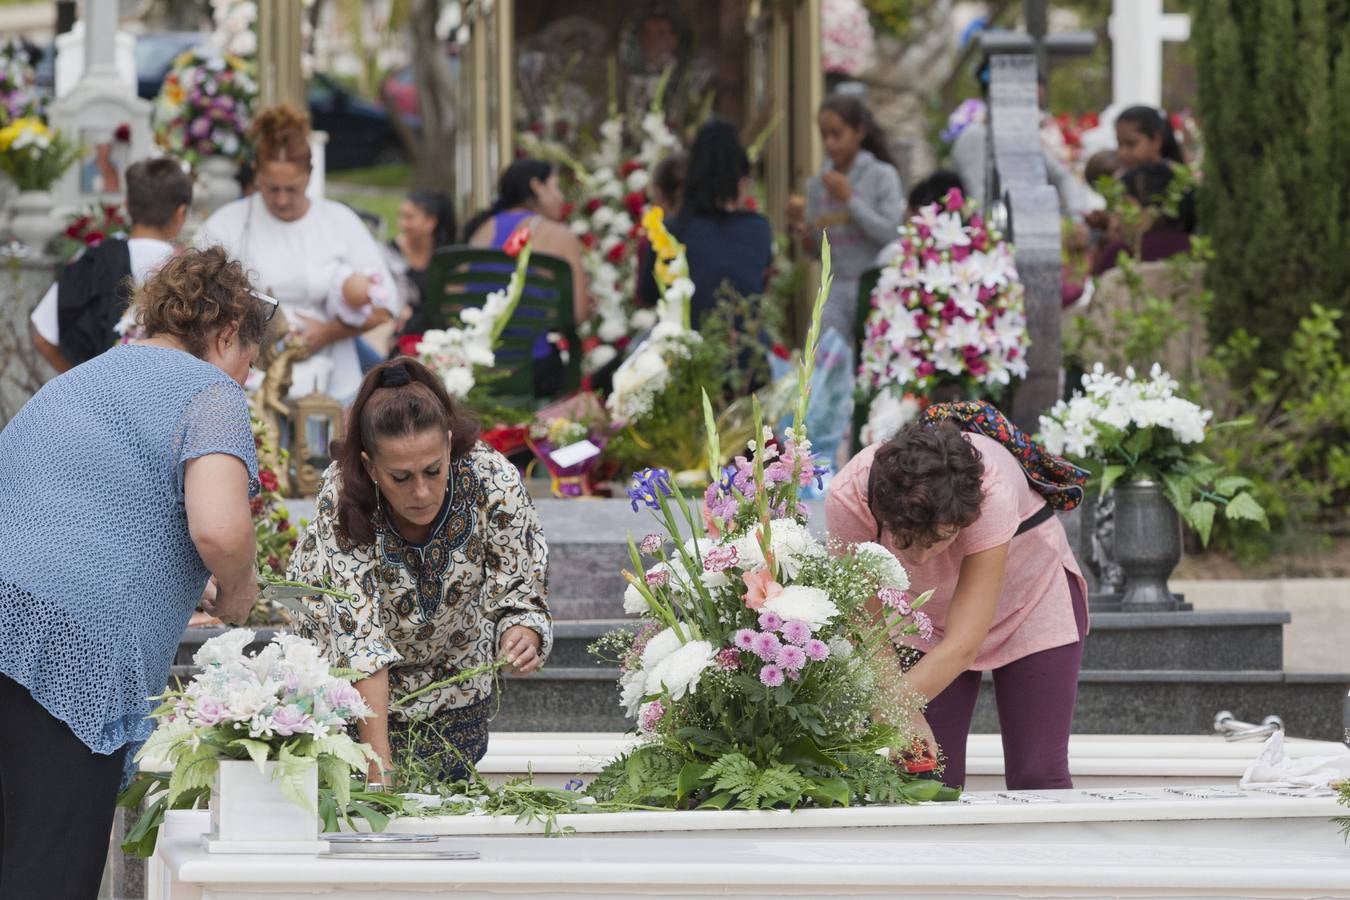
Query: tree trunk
432, 150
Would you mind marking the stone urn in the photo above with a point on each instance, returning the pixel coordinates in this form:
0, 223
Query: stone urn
217, 177
32, 222
1147, 545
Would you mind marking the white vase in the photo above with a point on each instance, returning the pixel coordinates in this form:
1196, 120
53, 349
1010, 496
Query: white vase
32, 222
219, 184
250, 814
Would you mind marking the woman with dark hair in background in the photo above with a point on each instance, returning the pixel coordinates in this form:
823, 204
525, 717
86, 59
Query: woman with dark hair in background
856, 199
528, 194
724, 242
432, 536
426, 220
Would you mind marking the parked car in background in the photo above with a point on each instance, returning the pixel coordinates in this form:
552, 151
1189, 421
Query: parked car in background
359, 132
398, 91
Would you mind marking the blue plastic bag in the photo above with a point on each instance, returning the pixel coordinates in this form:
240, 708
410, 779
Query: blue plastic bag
829, 415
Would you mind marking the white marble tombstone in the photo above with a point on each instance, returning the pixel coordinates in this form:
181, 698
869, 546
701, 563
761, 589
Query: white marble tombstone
103, 115
71, 58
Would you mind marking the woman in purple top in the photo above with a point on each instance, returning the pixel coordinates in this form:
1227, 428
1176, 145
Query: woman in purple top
528, 194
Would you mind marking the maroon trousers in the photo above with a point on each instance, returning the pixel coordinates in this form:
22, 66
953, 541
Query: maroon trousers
1035, 697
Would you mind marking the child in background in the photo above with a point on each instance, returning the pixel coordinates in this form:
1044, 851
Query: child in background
667, 184
77, 317
856, 199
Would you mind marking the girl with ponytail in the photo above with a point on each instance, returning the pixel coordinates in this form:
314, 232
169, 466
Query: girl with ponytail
856, 198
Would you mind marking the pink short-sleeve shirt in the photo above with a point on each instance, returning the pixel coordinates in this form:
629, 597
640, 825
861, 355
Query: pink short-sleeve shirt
1035, 612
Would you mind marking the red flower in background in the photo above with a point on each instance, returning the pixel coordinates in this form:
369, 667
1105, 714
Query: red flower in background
752, 204
93, 239
568, 209
636, 202
517, 241
408, 343
615, 254
592, 205
590, 344
781, 352
588, 240
268, 479
122, 134
629, 167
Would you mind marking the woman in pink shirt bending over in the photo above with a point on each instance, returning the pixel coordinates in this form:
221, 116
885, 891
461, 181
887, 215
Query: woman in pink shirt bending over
959, 512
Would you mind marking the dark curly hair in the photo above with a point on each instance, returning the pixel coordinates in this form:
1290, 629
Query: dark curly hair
397, 398
195, 294
924, 481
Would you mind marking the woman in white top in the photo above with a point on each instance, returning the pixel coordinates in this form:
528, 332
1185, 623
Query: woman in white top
314, 256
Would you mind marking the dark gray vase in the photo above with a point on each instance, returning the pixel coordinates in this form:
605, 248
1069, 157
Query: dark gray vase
1147, 545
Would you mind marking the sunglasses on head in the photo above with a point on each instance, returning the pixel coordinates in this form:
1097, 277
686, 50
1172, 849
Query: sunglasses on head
270, 301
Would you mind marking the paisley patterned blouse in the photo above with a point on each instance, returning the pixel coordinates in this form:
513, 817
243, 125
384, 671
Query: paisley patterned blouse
430, 611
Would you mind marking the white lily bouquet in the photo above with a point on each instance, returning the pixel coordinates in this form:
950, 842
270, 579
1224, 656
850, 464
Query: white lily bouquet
283, 705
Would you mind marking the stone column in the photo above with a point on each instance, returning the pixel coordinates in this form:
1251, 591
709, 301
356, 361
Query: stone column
100, 40
1031, 207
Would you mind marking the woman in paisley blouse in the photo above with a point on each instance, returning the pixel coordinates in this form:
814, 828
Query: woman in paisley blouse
432, 534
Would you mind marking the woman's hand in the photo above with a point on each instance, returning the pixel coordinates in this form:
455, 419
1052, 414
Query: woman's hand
520, 648
796, 210
837, 184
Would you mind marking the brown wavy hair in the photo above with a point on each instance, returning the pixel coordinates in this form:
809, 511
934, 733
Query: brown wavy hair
925, 480
397, 398
280, 133
195, 294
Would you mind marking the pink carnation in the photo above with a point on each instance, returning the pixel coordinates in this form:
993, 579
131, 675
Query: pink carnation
651, 715
719, 559
729, 659
658, 578
651, 544
924, 624
771, 676
893, 598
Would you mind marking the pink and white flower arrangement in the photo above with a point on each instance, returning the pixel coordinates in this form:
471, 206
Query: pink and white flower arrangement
755, 675
949, 309
847, 40
283, 703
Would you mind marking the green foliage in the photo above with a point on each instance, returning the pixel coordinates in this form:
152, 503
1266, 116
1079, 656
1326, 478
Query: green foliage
754, 787
1274, 96
1343, 798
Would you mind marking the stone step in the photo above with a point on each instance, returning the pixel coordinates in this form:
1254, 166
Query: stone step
1206, 641
1109, 702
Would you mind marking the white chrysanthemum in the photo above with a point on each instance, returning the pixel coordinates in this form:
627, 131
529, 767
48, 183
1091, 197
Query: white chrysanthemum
458, 382
791, 542
662, 644
805, 604
893, 574
643, 320
678, 672
633, 687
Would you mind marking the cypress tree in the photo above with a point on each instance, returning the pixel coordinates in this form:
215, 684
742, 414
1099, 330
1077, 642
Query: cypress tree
1274, 104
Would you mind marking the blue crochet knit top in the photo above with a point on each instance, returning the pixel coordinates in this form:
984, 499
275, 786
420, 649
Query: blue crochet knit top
98, 574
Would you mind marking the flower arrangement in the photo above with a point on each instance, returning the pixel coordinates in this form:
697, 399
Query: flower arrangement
89, 229
647, 372
205, 106
33, 155
847, 41
754, 676
613, 184
1132, 429
564, 426
948, 311
967, 113
18, 96
456, 353
283, 704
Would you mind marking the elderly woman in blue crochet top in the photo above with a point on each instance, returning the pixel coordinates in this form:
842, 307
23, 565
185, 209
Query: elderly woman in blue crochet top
124, 484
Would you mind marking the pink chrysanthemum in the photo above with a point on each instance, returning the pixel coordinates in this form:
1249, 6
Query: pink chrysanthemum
766, 646
651, 544
791, 658
816, 650
729, 659
770, 620
771, 676
894, 598
719, 559
796, 632
745, 638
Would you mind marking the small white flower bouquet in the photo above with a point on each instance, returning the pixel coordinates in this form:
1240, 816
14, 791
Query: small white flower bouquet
1135, 429
283, 704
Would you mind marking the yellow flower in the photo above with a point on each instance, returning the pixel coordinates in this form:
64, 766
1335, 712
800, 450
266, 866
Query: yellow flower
173, 92
653, 221
10, 133
183, 59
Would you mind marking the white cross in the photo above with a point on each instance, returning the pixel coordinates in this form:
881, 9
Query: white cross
1138, 29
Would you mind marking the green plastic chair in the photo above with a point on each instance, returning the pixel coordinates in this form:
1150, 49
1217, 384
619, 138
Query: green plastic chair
462, 277
866, 283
